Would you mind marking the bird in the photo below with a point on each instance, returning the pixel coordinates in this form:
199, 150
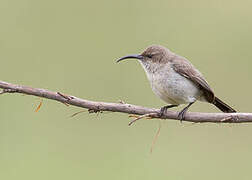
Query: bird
175, 80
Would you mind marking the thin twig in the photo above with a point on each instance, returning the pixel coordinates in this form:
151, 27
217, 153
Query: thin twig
141, 117
156, 137
39, 106
78, 113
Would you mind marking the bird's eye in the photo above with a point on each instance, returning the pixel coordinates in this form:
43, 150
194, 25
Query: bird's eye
149, 55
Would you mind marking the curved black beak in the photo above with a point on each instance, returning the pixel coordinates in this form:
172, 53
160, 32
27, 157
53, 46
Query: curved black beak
133, 56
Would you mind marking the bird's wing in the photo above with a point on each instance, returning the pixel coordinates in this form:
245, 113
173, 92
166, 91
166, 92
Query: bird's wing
186, 69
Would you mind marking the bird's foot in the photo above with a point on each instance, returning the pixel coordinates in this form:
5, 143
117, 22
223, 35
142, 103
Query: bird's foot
164, 109
181, 115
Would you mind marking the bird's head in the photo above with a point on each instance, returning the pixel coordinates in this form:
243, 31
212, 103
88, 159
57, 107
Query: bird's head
152, 54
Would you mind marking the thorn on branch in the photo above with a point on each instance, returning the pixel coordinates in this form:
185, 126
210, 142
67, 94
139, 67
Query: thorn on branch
149, 116
77, 113
121, 102
68, 98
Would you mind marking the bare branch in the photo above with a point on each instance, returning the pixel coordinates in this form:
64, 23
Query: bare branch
93, 106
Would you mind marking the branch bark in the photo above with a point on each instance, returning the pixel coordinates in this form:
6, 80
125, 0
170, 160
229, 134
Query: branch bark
93, 106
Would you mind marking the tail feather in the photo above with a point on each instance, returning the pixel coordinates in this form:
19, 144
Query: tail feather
223, 106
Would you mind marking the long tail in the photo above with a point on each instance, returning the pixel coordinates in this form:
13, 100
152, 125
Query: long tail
223, 106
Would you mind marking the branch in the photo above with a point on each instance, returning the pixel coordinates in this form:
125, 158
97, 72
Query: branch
122, 107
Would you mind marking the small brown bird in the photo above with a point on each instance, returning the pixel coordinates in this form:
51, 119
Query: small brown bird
175, 80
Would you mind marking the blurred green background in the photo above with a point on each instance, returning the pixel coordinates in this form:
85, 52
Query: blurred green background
71, 47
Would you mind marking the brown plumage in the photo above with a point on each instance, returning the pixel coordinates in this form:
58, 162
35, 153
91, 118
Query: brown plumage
186, 69
175, 80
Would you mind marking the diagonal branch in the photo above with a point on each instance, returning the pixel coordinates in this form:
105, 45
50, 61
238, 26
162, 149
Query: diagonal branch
94, 106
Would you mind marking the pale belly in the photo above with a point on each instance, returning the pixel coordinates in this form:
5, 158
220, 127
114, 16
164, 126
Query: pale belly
173, 88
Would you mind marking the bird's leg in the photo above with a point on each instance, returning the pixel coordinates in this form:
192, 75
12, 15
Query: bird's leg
164, 109
181, 114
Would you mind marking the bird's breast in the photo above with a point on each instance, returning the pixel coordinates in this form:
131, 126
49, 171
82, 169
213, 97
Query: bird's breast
173, 88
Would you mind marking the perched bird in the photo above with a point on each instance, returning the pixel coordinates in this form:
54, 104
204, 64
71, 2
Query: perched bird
175, 80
